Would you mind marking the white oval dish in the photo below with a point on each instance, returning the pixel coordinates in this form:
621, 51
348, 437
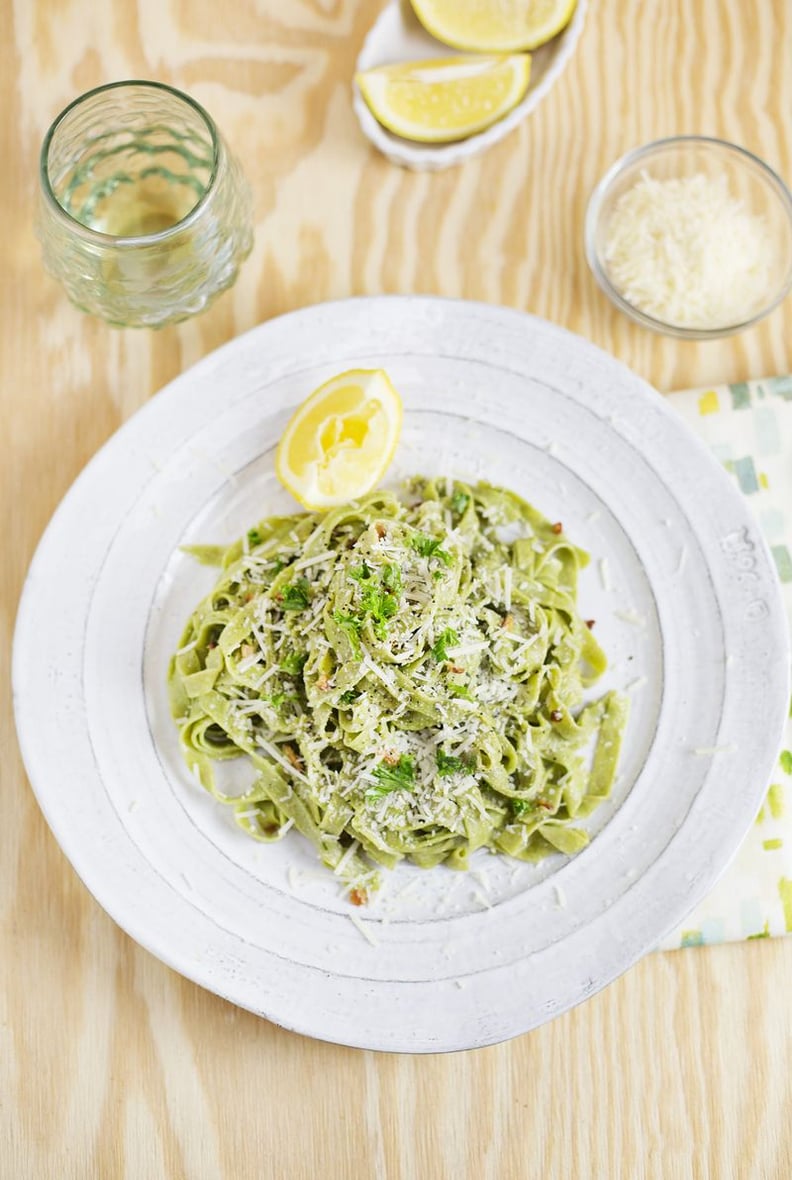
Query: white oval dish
397, 35
686, 603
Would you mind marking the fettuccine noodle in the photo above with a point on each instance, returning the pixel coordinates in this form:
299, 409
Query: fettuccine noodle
405, 676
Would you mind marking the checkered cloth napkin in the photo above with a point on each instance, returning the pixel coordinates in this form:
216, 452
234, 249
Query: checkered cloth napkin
749, 429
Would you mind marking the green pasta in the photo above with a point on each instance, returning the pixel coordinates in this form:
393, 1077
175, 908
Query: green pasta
405, 675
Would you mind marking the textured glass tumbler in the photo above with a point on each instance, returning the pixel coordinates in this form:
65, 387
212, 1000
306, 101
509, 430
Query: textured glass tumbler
144, 215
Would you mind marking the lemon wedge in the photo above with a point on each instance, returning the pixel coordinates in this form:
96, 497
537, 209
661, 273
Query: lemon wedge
447, 99
494, 26
339, 442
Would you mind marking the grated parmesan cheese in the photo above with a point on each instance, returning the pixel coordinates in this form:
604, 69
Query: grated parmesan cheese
350, 852
682, 559
687, 252
362, 928
630, 616
306, 562
706, 751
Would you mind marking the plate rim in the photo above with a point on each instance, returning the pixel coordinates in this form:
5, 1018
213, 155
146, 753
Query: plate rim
127, 920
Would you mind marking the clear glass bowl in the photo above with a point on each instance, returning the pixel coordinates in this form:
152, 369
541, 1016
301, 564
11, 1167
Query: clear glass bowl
144, 215
749, 179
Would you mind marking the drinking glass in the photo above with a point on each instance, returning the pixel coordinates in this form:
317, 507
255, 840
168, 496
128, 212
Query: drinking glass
144, 215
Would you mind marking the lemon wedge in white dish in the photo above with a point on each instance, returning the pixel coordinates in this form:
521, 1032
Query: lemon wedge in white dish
494, 26
445, 99
397, 35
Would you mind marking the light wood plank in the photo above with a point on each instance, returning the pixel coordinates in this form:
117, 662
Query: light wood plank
110, 1064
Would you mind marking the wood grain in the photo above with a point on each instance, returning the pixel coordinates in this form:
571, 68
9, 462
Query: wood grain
110, 1064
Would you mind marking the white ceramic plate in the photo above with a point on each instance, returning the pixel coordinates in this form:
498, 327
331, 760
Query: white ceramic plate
397, 35
686, 604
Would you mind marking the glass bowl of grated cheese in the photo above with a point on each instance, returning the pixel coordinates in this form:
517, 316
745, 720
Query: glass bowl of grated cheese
691, 236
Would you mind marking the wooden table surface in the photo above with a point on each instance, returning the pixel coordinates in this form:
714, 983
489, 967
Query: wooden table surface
113, 1066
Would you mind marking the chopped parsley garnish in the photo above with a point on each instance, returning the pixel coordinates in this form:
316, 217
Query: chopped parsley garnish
280, 564
348, 622
444, 640
429, 547
379, 605
379, 600
254, 537
397, 776
280, 698
449, 764
294, 663
348, 697
459, 502
296, 595
520, 806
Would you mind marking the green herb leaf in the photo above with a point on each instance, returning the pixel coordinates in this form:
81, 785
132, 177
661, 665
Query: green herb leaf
459, 502
449, 764
348, 622
280, 698
296, 595
348, 697
400, 776
444, 640
429, 547
294, 663
380, 605
460, 690
520, 806
379, 600
254, 538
